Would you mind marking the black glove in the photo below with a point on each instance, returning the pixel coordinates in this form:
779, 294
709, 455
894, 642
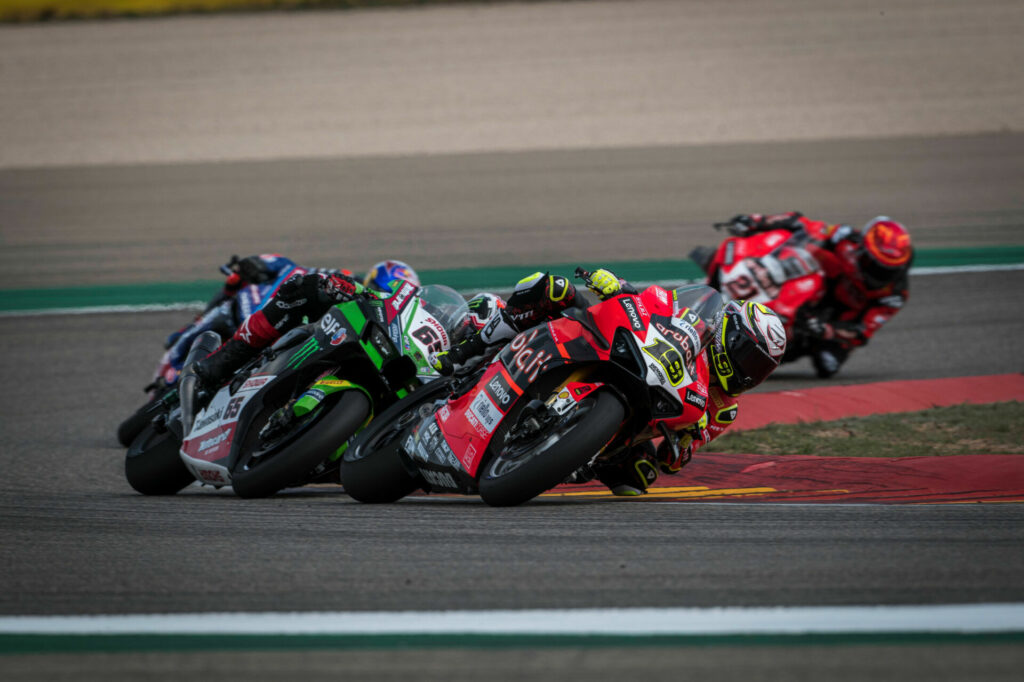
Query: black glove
817, 328
251, 269
743, 224
446, 361
443, 364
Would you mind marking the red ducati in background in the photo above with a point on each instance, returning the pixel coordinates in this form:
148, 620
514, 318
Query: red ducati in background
561, 395
772, 268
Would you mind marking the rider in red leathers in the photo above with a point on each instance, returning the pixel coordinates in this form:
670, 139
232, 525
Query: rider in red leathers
866, 280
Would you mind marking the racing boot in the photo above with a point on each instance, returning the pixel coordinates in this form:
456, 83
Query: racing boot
633, 475
217, 367
828, 359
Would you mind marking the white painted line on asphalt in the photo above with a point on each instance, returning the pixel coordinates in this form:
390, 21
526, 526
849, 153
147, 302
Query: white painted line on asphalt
947, 618
955, 269
105, 309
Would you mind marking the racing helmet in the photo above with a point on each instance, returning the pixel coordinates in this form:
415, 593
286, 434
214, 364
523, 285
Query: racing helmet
381, 275
748, 346
885, 252
482, 308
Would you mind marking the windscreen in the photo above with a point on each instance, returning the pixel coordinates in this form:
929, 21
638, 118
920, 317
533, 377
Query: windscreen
706, 303
445, 304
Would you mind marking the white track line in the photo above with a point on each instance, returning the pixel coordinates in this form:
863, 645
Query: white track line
950, 618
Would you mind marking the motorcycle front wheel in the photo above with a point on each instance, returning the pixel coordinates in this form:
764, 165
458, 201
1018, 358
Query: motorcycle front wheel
373, 470
527, 465
295, 455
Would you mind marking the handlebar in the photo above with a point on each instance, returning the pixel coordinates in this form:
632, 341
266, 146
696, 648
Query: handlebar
583, 274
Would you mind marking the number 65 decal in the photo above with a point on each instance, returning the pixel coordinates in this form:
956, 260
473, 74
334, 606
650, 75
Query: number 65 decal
429, 338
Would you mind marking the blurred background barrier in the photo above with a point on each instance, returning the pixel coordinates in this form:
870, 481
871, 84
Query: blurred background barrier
41, 10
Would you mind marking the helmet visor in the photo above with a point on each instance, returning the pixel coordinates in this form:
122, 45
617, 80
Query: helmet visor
747, 364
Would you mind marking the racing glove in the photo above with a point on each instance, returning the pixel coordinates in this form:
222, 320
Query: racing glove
446, 361
743, 224
251, 269
338, 288
604, 283
669, 462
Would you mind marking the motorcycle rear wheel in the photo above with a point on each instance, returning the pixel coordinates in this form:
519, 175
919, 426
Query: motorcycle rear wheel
131, 427
519, 472
152, 464
300, 452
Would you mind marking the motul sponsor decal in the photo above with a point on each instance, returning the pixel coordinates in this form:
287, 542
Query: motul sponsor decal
210, 448
213, 441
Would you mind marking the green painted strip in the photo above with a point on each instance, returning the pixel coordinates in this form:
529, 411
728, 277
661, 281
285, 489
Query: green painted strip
163, 293
466, 279
13, 644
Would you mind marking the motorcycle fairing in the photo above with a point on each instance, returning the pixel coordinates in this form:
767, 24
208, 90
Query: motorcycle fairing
423, 337
467, 424
211, 448
772, 268
207, 449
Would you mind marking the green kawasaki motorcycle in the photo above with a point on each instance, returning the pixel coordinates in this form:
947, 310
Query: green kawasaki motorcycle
286, 418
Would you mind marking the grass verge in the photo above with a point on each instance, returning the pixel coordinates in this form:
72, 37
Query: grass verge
961, 430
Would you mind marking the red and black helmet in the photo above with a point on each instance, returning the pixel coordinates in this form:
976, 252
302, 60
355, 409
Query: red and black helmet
886, 252
748, 346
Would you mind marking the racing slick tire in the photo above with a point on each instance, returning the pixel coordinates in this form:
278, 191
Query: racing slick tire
152, 464
373, 470
131, 427
292, 457
526, 467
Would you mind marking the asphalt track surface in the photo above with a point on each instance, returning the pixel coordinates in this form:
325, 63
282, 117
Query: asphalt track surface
76, 540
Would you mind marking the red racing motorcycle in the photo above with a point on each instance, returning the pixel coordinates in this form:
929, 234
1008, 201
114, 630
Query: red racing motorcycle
564, 394
773, 268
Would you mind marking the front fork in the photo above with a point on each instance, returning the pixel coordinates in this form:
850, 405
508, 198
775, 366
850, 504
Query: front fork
295, 410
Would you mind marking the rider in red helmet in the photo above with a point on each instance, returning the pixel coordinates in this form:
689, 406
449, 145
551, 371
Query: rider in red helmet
866, 278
